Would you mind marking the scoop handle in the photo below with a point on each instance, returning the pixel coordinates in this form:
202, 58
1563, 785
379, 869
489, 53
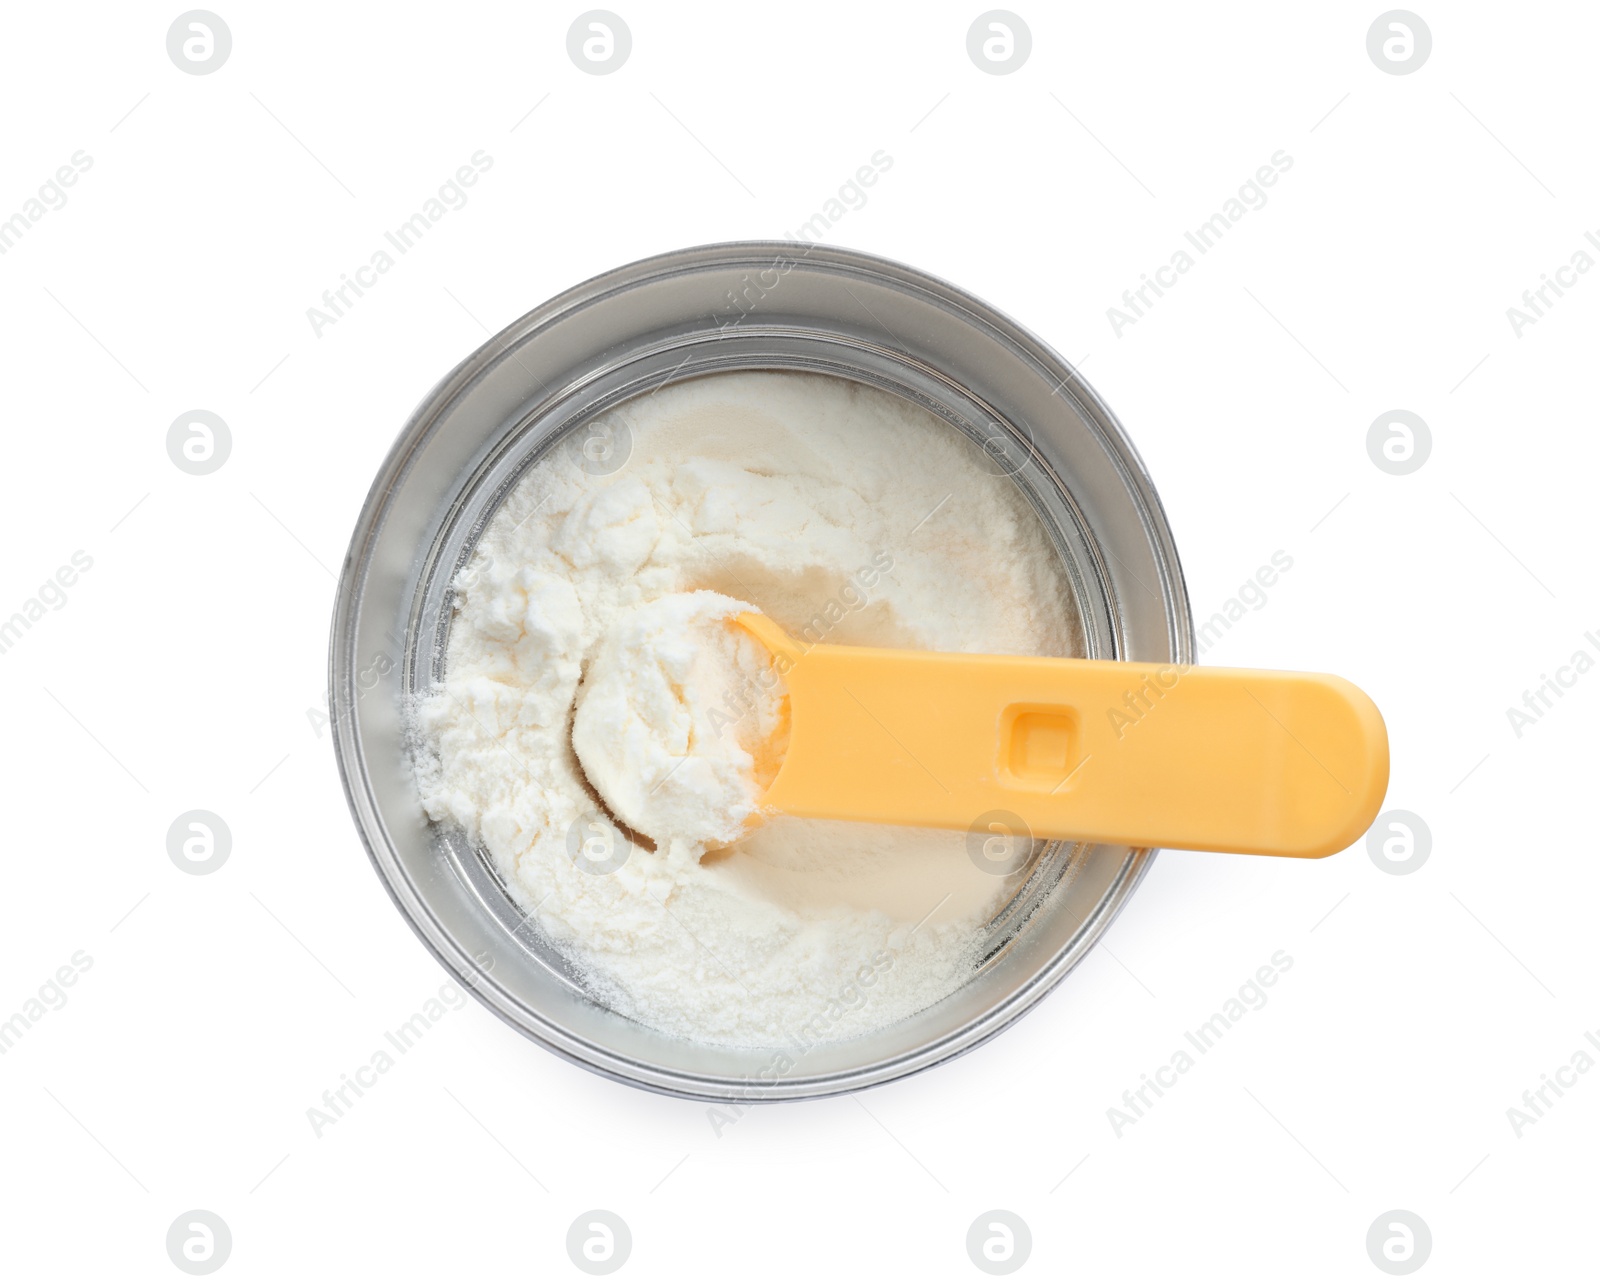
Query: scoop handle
1120, 752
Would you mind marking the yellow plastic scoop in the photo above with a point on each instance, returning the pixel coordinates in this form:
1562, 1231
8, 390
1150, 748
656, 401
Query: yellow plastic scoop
1151, 756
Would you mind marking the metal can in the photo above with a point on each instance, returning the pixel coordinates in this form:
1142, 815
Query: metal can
550, 379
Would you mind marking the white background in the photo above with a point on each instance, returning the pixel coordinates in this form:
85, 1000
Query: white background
180, 672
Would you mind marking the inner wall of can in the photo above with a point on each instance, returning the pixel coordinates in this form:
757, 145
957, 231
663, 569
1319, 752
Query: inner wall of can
1008, 450
574, 358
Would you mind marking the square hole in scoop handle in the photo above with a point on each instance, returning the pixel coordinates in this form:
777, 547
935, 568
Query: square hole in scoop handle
1147, 755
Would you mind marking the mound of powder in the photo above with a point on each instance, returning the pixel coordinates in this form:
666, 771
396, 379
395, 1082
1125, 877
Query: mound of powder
653, 734
589, 614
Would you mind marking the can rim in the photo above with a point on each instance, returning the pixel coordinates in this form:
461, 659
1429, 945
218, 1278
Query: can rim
343, 667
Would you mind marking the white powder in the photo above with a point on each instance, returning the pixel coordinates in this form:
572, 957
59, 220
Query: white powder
674, 728
847, 515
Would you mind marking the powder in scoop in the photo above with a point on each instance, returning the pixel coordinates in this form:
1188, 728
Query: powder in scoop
680, 721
